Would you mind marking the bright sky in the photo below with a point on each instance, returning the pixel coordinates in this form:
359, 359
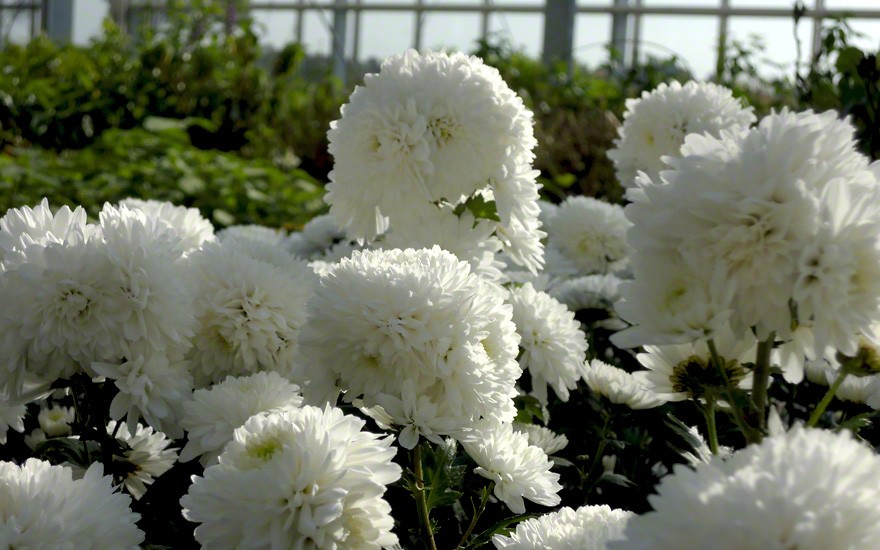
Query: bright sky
692, 38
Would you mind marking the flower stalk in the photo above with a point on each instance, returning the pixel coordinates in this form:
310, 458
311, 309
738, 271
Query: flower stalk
419, 495
761, 380
711, 429
478, 512
748, 432
828, 397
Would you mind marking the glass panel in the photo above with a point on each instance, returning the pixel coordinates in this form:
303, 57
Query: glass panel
317, 31
776, 4
854, 4
275, 27
523, 30
692, 39
683, 3
592, 33
385, 33
870, 28
777, 34
452, 31
87, 18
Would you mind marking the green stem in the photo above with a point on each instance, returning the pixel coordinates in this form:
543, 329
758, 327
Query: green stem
749, 433
419, 494
829, 396
761, 379
484, 498
709, 413
600, 448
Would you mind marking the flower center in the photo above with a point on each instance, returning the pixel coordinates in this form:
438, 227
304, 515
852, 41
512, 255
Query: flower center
696, 376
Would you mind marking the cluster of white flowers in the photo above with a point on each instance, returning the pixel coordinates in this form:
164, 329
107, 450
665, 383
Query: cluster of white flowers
436, 129
806, 489
148, 455
554, 346
104, 299
655, 125
416, 332
250, 304
518, 469
45, 507
588, 527
214, 413
621, 387
767, 229
297, 478
586, 236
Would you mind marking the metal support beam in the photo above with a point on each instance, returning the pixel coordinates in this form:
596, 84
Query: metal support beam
817, 30
340, 35
420, 19
484, 20
58, 20
636, 49
723, 25
619, 31
559, 30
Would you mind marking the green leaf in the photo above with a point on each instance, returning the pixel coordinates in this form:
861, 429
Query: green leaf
616, 479
528, 409
440, 476
858, 422
479, 207
59, 450
160, 124
502, 527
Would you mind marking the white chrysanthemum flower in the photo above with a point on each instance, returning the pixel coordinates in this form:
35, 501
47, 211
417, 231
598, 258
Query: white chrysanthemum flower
591, 234
55, 421
588, 292
151, 386
256, 233
188, 223
554, 346
250, 305
515, 192
855, 389
415, 415
384, 318
146, 255
519, 470
587, 528
319, 239
432, 127
620, 387
21, 227
321, 268
746, 207
62, 309
44, 507
468, 238
548, 210
838, 285
806, 489
11, 416
792, 353
672, 304
655, 125
212, 414
295, 479
684, 371
148, 456
544, 438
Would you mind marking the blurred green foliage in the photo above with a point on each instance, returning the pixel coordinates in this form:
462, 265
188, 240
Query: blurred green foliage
63, 105
158, 162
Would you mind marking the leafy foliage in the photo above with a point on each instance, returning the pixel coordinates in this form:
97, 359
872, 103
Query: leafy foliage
160, 163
